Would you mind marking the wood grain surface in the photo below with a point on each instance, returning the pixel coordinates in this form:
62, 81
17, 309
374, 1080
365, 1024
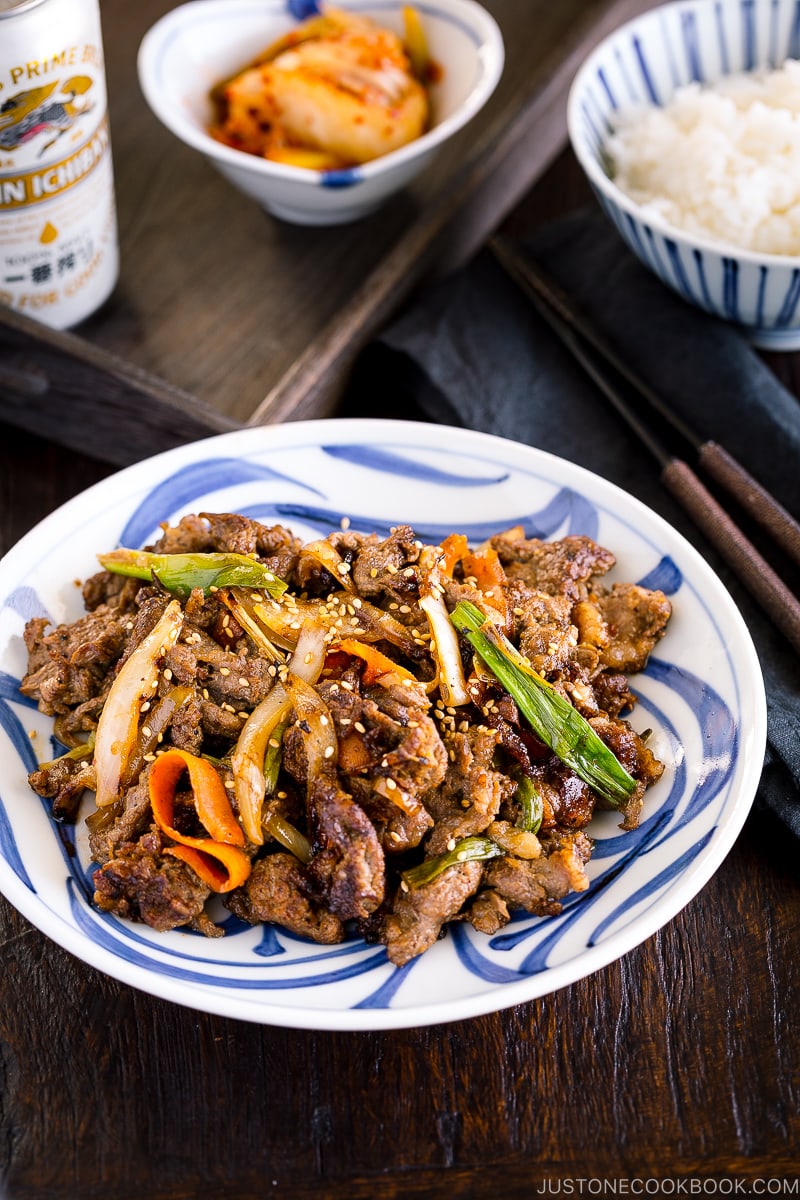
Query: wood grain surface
679, 1063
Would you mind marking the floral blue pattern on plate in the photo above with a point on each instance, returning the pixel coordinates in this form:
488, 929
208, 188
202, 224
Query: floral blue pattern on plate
702, 695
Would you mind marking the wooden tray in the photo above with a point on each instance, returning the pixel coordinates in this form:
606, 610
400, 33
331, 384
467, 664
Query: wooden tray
225, 316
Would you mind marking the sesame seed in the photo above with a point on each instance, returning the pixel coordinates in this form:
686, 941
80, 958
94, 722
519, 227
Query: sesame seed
323, 720
147, 731
359, 727
167, 673
345, 721
145, 706
391, 785
149, 758
403, 885
395, 836
329, 751
451, 845
344, 523
274, 743
224, 670
373, 572
230, 784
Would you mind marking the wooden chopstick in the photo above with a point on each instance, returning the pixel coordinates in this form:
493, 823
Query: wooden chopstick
715, 460
605, 367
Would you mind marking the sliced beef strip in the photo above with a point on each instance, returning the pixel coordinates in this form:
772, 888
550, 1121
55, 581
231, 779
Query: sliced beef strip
636, 619
612, 692
144, 884
559, 568
538, 884
347, 866
398, 829
488, 912
416, 917
384, 741
567, 800
472, 792
636, 758
122, 823
186, 729
542, 626
68, 664
64, 781
277, 891
380, 569
117, 591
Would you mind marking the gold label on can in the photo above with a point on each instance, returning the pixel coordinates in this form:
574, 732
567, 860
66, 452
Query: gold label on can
58, 240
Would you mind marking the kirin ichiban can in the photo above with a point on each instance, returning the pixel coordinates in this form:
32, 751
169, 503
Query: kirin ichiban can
59, 256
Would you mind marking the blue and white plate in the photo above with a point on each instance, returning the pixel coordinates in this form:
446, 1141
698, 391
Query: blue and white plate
702, 694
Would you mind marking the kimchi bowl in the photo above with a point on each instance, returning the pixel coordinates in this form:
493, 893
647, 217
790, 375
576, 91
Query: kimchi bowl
195, 47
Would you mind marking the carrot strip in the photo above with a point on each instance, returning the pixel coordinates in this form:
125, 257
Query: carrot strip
210, 798
377, 664
222, 867
454, 547
487, 570
218, 859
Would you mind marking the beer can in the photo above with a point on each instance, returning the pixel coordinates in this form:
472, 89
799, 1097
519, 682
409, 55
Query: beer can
59, 255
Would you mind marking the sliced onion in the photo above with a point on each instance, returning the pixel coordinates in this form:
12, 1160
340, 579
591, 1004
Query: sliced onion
309, 653
446, 650
119, 721
319, 734
247, 759
243, 611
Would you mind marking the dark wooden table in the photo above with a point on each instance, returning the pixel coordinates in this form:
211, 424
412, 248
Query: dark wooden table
679, 1063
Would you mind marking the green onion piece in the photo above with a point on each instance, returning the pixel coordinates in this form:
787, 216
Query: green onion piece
470, 849
531, 804
560, 726
180, 573
273, 757
289, 837
75, 754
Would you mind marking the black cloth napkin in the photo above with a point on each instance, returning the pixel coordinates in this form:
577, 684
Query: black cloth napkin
473, 352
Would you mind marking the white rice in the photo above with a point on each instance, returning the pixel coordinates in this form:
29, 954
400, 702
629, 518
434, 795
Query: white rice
721, 161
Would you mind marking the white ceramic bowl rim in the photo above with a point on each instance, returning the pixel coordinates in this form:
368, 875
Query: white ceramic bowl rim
469, 15
605, 184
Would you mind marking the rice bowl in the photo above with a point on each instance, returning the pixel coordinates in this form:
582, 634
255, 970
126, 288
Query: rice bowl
722, 161
723, 266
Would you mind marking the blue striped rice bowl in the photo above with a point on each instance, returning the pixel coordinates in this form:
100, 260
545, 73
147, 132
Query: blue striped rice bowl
645, 62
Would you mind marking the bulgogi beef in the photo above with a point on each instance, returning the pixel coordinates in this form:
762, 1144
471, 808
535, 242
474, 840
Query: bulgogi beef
409, 754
